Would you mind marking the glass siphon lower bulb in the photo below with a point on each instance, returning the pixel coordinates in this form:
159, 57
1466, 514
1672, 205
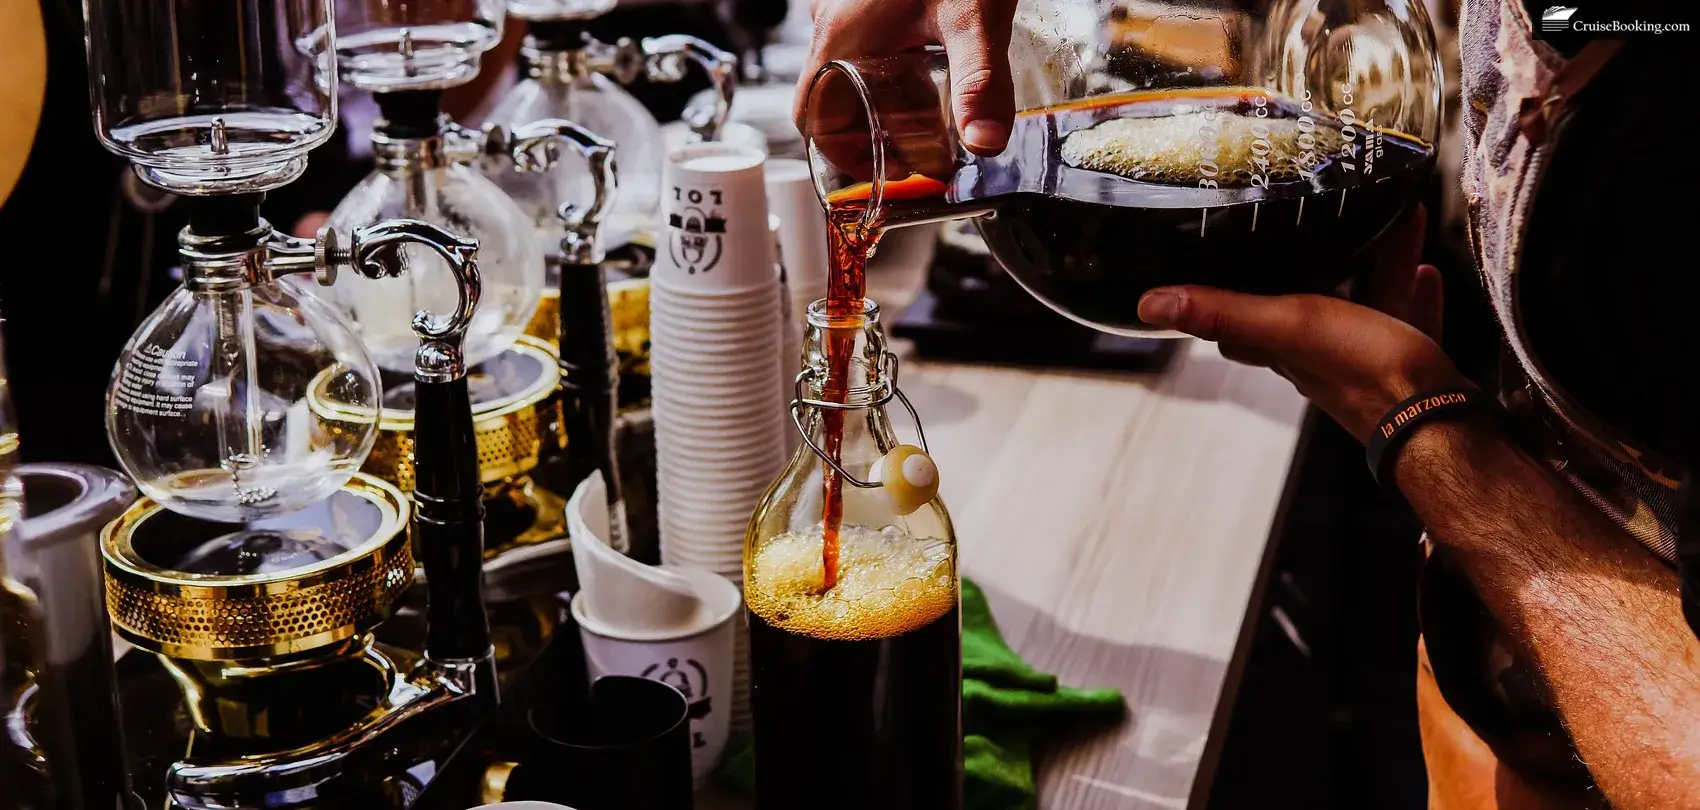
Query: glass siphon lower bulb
208, 406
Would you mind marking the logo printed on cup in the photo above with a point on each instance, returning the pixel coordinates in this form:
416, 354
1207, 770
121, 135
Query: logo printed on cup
695, 236
714, 237
695, 691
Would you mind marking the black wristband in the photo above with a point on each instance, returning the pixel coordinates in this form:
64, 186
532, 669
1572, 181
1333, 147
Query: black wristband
1392, 430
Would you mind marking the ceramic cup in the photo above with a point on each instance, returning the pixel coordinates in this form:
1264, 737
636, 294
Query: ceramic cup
697, 662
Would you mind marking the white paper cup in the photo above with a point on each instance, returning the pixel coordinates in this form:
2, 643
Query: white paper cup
700, 518
689, 296
694, 521
695, 447
732, 351
718, 549
706, 468
730, 413
716, 559
717, 389
739, 418
750, 317
761, 314
710, 502
721, 347
714, 232
699, 663
802, 226
724, 558
730, 566
692, 370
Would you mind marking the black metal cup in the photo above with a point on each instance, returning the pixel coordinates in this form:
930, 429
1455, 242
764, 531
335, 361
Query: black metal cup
626, 748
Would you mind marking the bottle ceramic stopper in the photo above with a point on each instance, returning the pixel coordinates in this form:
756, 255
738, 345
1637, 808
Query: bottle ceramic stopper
908, 476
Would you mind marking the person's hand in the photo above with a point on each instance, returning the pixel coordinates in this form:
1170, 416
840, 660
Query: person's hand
975, 35
1355, 361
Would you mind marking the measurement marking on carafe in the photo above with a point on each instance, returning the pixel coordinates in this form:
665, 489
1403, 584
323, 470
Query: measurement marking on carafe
1301, 218
1342, 210
1203, 219
1255, 208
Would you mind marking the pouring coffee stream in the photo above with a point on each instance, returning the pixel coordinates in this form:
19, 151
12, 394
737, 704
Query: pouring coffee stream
851, 240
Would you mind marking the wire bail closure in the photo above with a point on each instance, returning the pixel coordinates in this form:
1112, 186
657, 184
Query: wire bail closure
887, 391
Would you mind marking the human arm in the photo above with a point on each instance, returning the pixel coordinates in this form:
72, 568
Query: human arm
1598, 615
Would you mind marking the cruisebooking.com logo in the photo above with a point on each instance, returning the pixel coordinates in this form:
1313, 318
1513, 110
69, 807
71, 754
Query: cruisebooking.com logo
1565, 20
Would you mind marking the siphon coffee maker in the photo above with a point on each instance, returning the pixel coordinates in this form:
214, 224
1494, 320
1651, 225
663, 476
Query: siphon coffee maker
565, 73
428, 169
260, 559
1257, 148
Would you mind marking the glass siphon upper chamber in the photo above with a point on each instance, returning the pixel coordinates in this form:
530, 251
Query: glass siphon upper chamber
212, 98
208, 405
390, 45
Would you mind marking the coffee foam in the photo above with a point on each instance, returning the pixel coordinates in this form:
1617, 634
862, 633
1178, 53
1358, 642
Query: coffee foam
889, 583
1176, 148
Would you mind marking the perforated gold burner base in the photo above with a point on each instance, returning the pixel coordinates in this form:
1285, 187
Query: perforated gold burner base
204, 591
516, 420
267, 683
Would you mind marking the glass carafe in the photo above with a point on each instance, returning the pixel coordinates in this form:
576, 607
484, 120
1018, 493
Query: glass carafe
874, 657
391, 45
1256, 149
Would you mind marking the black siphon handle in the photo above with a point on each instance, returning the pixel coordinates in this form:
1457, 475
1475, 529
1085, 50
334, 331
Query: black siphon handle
589, 376
448, 500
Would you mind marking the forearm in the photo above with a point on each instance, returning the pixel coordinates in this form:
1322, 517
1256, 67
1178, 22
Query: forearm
1599, 616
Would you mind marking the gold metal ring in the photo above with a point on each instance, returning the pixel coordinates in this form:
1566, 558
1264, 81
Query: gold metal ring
209, 617
510, 431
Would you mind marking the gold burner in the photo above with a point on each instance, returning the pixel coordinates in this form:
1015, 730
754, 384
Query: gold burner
510, 430
215, 617
628, 312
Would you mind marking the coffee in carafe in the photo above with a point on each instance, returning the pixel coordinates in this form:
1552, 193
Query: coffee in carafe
1231, 187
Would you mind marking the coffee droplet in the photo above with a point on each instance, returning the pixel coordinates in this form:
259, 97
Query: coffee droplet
909, 478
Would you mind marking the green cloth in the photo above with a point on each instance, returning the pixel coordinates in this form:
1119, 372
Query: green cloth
1006, 706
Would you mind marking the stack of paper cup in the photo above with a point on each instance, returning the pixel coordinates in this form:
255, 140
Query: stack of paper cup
715, 357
